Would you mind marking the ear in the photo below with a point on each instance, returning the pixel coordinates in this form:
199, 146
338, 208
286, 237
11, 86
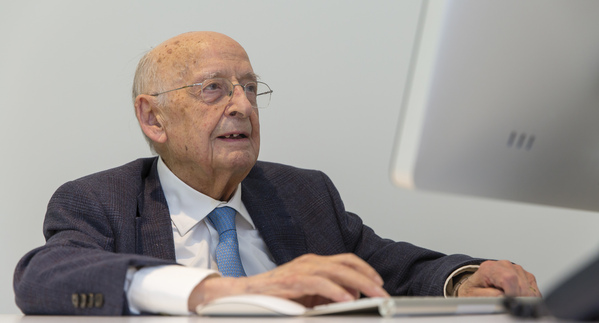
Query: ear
149, 117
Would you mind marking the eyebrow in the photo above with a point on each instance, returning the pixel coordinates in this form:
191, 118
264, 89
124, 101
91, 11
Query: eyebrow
250, 75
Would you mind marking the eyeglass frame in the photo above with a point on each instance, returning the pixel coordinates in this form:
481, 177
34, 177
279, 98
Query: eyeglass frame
230, 95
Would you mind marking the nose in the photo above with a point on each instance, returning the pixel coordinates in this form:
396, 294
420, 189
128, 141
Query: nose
239, 105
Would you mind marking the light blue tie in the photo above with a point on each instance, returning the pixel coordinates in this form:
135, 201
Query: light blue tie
227, 250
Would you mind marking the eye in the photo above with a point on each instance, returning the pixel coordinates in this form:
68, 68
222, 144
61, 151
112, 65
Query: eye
251, 88
215, 89
213, 85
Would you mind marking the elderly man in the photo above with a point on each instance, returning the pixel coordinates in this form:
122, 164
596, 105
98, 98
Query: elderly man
205, 219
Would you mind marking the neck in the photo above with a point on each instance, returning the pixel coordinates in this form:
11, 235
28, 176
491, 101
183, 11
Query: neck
217, 184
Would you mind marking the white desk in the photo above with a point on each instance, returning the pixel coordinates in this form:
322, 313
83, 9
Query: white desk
497, 318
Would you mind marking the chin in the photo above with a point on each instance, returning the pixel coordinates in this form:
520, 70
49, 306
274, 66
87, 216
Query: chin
243, 162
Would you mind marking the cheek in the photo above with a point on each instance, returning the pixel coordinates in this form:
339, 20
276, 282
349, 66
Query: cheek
255, 120
256, 134
193, 120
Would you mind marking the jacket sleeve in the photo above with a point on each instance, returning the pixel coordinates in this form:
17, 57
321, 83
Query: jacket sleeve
406, 269
81, 270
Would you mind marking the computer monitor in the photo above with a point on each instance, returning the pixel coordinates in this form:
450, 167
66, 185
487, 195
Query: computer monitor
502, 101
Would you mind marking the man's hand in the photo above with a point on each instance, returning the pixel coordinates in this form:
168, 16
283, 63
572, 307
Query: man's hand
309, 279
497, 278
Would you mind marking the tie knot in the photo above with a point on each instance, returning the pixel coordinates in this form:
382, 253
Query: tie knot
223, 219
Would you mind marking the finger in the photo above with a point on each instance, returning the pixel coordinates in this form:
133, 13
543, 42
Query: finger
353, 292
527, 283
293, 281
337, 277
474, 287
359, 265
302, 286
346, 270
511, 278
352, 279
534, 288
517, 283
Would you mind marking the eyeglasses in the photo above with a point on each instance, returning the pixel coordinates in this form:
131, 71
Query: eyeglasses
212, 91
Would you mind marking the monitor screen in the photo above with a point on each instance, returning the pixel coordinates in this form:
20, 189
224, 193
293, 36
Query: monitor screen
502, 102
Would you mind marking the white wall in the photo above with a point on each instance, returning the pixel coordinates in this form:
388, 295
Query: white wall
65, 75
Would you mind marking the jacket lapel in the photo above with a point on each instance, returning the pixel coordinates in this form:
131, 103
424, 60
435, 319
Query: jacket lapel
283, 237
154, 233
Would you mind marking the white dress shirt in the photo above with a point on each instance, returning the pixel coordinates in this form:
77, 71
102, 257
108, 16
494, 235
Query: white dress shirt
166, 289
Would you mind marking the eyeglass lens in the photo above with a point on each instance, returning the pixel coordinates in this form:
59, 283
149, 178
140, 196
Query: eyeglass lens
214, 90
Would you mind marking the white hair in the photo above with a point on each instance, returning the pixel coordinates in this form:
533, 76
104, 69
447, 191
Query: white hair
146, 81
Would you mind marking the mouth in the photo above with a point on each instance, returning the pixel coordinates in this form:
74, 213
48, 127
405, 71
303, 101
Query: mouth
233, 136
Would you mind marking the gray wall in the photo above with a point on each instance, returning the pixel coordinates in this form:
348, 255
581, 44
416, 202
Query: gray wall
65, 75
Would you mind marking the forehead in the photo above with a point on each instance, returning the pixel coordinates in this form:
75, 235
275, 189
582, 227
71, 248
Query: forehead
219, 62
192, 57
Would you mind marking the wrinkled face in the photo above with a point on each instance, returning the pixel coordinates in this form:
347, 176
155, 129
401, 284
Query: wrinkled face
201, 137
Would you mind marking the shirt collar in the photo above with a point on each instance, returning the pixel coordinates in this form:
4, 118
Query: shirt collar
187, 206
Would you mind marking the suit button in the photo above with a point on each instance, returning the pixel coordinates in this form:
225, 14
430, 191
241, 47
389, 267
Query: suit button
99, 300
90, 300
75, 300
82, 300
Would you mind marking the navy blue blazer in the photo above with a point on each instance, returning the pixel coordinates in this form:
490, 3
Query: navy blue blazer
98, 226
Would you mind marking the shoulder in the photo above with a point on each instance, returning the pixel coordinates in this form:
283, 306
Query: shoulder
129, 177
268, 177
280, 172
138, 167
111, 195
